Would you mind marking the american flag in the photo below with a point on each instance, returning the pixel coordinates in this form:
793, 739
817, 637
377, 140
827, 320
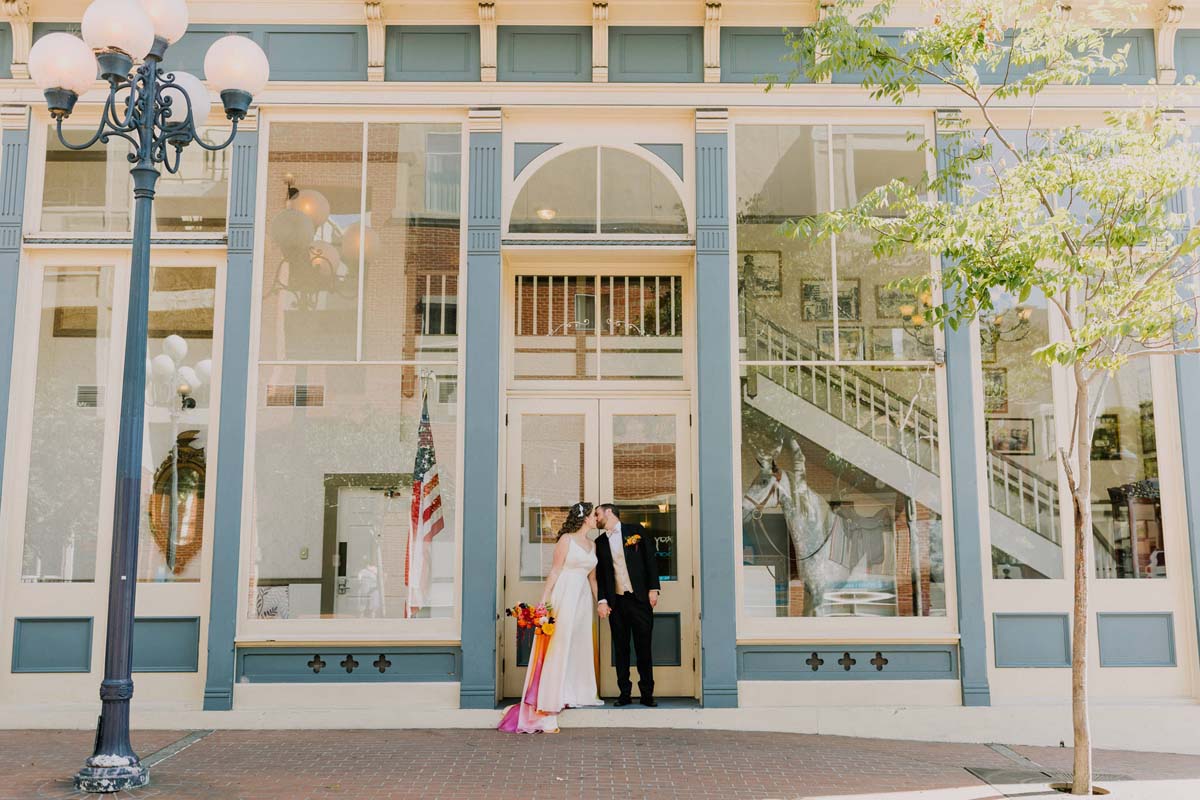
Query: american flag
426, 521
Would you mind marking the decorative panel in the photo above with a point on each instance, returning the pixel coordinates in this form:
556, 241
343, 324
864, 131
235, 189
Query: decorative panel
544, 53
1136, 639
324, 53
296, 52
166, 644
655, 55
1140, 67
1187, 53
749, 54
665, 646
1032, 640
831, 662
672, 154
432, 53
188, 53
351, 665
52, 644
6, 50
525, 152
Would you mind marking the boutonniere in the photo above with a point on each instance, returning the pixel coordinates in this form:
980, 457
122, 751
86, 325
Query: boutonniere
632, 540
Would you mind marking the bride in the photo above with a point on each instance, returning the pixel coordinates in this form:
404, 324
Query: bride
562, 674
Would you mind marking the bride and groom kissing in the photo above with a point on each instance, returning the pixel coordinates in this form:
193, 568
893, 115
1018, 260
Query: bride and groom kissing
616, 575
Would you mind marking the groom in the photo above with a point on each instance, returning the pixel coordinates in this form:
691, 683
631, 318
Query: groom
627, 583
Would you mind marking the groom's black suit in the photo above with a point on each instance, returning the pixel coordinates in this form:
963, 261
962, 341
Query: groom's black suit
630, 612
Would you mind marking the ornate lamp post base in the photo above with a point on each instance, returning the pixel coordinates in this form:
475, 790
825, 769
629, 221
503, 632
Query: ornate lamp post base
98, 777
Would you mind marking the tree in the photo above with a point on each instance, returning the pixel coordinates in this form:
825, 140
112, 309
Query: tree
1089, 217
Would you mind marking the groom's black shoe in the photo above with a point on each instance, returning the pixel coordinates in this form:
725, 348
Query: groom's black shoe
650, 701
623, 700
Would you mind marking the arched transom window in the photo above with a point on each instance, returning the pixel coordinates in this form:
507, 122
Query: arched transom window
599, 190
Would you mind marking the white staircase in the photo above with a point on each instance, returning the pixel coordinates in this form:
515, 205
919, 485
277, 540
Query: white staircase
894, 439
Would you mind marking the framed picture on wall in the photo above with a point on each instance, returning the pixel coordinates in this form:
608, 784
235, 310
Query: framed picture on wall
1146, 427
899, 344
762, 272
816, 302
1150, 465
987, 348
852, 348
1011, 436
995, 390
888, 301
1106, 441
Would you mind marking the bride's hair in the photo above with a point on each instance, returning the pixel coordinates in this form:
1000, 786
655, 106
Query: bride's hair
575, 517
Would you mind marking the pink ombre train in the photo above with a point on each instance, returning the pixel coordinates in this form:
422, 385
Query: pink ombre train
524, 717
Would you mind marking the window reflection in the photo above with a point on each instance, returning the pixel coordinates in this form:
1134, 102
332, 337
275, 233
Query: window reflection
613, 327
356, 439
1022, 460
790, 291
70, 402
91, 190
635, 196
840, 505
1126, 505
178, 393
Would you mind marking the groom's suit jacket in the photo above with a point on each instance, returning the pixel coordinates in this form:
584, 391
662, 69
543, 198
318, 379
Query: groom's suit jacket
639, 560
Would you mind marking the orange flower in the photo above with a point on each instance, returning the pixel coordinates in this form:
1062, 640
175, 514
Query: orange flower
632, 540
548, 629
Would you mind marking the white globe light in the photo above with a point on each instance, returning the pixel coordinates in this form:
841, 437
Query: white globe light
62, 61
118, 25
204, 370
291, 229
235, 62
358, 239
162, 367
169, 17
197, 92
324, 257
189, 376
176, 347
313, 205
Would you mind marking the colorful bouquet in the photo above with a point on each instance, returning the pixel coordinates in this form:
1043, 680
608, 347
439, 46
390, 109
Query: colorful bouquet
539, 618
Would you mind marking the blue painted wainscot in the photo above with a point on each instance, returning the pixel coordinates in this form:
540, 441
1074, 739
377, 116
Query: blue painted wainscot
852, 662
352, 664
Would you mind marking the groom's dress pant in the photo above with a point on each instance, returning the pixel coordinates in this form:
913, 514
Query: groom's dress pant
632, 615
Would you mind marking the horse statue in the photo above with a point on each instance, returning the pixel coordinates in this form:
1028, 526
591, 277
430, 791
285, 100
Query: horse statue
811, 524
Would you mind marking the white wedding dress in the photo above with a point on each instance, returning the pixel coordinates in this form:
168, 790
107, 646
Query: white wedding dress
568, 677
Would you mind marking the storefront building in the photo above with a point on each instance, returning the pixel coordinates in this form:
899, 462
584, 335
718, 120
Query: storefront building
528, 253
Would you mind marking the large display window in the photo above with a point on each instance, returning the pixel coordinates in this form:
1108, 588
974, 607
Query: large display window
354, 515
843, 510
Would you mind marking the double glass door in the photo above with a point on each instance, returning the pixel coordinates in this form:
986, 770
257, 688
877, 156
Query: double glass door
634, 453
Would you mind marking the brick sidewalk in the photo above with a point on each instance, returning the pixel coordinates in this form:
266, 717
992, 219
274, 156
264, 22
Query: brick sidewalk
597, 763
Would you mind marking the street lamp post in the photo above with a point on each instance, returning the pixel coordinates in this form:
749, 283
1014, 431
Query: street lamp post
157, 113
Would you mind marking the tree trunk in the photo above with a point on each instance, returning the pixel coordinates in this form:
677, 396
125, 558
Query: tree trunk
1081, 497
